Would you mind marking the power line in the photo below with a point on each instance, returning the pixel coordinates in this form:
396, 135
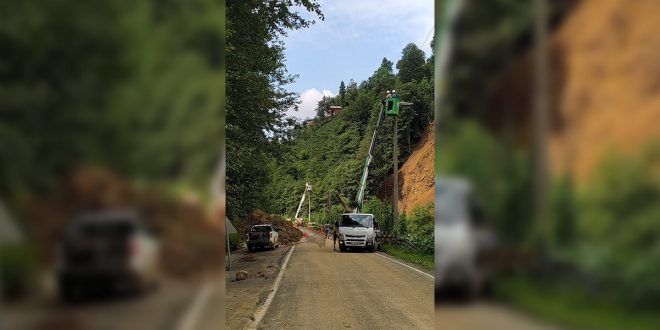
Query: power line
427, 37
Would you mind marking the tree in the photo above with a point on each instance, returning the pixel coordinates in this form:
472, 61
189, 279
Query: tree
412, 64
256, 98
342, 94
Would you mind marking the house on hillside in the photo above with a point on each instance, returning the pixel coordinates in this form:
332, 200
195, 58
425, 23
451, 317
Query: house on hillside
333, 111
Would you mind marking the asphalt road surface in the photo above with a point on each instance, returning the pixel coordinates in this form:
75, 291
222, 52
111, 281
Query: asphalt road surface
325, 289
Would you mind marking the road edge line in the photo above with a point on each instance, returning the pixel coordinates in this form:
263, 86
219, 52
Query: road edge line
408, 266
192, 314
261, 312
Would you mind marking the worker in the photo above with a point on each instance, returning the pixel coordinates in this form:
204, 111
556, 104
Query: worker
327, 231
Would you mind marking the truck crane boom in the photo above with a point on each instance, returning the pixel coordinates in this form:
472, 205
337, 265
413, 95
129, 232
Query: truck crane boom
365, 170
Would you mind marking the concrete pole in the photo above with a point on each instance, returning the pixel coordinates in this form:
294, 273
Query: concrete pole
395, 180
540, 116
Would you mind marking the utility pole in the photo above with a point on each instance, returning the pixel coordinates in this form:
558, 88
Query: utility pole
395, 179
540, 115
309, 204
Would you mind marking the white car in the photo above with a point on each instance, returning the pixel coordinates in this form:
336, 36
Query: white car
262, 236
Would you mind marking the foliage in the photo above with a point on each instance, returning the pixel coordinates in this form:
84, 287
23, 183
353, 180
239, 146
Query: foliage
130, 85
563, 209
411, 66
256, 97
17, 268
618, 225
401, 229
572, 306
235, 241
423, 259
420, 227
502, 184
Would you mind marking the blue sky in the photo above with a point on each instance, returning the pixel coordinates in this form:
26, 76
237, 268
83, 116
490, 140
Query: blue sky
351, 43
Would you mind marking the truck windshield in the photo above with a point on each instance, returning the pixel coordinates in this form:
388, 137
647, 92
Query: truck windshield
356, 220
452, 203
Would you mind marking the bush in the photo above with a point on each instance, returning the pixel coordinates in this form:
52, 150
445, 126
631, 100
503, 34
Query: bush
234, 241
618, 224
501, 184
402, 225
17, 268
421, 227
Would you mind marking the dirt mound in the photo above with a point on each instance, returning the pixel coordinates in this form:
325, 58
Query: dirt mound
188, 243
288, 234
415, 176
605, 80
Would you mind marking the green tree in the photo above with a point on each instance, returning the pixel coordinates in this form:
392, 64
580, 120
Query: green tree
342, 94
411, 66
256, 97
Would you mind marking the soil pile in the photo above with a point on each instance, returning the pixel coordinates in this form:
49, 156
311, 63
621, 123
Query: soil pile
287, 233
415, 175
605, 85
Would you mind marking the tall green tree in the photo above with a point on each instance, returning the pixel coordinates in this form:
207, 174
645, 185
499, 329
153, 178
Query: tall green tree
342, 94
256, 95
411, 66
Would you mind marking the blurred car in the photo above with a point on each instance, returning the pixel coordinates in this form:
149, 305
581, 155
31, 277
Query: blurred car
460, 238
262, 236
108, 250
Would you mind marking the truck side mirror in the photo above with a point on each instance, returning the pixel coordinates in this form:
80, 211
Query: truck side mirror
336, 224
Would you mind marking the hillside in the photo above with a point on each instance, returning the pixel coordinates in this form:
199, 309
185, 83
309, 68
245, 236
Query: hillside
606, 85
415, 175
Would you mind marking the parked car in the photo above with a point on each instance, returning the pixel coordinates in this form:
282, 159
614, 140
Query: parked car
108, 250
262, 236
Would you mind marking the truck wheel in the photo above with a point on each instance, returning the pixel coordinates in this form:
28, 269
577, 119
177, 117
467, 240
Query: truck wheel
67, 290
373, 248
250, 248
342, 248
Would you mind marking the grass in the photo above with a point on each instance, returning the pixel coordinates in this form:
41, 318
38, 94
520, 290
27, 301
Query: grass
415, 257
572, 307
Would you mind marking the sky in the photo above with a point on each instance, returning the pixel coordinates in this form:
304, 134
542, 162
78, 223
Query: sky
351, 43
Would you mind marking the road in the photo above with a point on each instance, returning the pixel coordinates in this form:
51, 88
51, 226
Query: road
324, 289
485, 315
164, 309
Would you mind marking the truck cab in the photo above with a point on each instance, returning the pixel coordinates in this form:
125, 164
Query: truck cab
357, 230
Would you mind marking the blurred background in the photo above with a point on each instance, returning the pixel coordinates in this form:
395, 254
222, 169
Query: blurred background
547, 165
111, 126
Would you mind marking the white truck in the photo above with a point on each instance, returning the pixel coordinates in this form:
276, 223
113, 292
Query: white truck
357, 230
460, 238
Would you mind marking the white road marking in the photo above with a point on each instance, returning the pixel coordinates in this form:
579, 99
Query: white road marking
402, 264
261, 311
191, 317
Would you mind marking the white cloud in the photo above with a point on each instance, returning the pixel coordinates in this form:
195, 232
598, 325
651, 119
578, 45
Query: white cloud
375, 19
309, 99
